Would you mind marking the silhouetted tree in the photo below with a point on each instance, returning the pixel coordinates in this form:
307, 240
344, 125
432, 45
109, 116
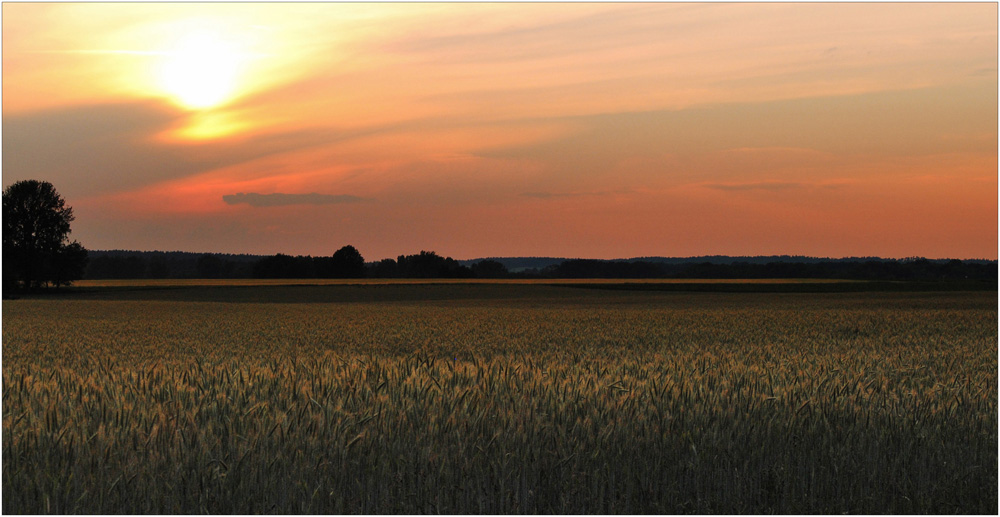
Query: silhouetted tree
67, 264
347, 262
489, 269
428, 264
36, 248
385, 268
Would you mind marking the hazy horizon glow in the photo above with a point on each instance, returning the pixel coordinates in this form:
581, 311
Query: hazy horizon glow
601, 130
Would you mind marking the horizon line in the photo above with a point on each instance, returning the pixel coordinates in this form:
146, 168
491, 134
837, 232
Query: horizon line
554, 257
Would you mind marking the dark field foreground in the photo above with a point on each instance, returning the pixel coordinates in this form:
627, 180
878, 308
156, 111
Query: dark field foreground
499, 399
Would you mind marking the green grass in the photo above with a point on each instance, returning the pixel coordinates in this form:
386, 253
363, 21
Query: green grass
497, 398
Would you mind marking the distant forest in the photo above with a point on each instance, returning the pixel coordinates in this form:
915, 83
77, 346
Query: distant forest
348, 263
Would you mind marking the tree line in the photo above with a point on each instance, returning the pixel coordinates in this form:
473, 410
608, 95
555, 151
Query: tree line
892, 270
37, 252
347, 262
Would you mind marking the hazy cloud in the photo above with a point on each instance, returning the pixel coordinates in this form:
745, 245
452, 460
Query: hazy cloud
91, 149
548, 195
94, 149
559, 195
758, 185
908, 122
539, 32
279, 199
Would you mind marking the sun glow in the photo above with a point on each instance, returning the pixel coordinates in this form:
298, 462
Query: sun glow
202, 71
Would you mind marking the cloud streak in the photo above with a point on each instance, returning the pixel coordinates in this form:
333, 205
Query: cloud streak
93, 149
550, 195
560, 195
758, 185
280, 199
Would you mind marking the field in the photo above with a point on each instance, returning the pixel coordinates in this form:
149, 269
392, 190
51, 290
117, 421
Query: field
253, 282
498, 398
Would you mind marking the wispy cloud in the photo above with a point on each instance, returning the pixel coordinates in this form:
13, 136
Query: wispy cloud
113, 52
279, 199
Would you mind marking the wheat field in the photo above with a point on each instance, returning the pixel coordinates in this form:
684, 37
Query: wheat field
534, 400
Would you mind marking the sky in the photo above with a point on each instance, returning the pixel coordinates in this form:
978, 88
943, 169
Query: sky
594, 130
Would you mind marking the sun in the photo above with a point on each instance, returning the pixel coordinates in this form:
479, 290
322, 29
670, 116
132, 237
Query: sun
201, 71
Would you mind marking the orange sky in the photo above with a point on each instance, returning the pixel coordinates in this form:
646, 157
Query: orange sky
573, 130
